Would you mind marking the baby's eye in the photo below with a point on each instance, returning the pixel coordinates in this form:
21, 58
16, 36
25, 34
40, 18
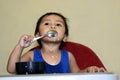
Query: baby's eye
59, 25
46, 23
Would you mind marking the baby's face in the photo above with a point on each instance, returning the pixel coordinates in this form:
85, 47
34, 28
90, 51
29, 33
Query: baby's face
52, 22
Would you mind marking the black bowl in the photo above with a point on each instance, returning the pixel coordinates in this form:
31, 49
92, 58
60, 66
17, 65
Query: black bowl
30, 67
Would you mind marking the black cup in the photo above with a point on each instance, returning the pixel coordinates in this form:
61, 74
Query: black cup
30, 67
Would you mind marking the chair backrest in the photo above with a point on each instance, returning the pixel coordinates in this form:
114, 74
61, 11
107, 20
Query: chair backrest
84, 56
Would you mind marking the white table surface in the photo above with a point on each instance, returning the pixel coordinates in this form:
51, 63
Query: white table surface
70, 76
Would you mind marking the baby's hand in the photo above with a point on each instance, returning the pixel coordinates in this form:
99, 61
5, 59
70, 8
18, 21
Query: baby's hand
25, 41
94, 69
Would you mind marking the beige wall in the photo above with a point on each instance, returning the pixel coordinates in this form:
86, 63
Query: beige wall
94, 23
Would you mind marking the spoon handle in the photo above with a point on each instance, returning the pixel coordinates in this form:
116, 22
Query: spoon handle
36, 38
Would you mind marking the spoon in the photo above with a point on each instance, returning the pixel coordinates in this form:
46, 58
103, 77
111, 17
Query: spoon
51, 33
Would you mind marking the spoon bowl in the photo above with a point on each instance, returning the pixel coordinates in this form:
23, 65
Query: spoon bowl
52, 33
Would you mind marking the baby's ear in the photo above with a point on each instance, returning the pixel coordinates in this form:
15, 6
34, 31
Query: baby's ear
37, 35
65, 38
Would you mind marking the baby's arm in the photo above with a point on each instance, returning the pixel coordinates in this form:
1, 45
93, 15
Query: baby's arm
73, 65
15, 56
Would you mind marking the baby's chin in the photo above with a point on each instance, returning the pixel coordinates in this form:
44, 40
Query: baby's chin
54, 39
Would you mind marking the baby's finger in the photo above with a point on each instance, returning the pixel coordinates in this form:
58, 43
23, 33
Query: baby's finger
102, 69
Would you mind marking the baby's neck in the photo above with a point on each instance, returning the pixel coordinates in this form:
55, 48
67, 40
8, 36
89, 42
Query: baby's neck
50, 47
